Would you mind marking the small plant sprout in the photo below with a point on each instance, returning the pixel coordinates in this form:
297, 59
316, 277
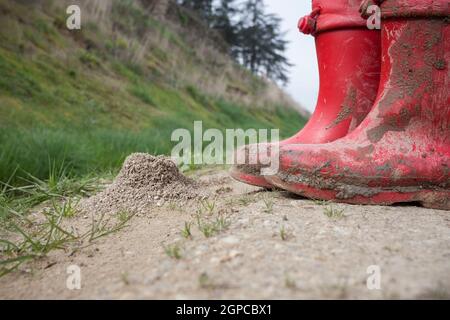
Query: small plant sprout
207, 229
205, 281
283, 233
103, 227
123, 216
186, 232
66, 209
209, 206
173, 251
289, 282
222, 224
245, 200
269, 205
333, 213
124, 276
48, 235
210, 228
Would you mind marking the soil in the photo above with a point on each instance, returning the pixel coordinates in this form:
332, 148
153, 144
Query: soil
274, 245
143, 181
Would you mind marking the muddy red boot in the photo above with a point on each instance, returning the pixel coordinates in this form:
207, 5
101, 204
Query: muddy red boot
401, 151
348, 55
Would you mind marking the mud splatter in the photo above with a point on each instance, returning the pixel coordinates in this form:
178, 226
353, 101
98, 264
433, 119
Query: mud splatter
410, 82
440, 64
347, 109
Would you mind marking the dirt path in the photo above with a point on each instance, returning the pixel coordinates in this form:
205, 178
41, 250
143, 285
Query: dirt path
270, 245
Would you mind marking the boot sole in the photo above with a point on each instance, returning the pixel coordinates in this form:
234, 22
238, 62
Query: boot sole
428, 198
253, 180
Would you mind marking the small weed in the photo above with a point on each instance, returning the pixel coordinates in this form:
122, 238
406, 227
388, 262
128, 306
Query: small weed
210, 228
289, 282
34, 243
333, 213
124, 276
186, 232
67, 209
245, 200
102, 227
207, 229
209, 206
269, 205
284, 234
173, 251
57, 187
35, 240
205, 281
222, 224
123, 216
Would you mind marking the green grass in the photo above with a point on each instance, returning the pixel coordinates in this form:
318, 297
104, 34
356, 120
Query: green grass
173, 251
289, 282
210, 228
284, 235
206, 282
186, 231
333, 213
268, 202
34, 240
59, 189
24, 239
208, 206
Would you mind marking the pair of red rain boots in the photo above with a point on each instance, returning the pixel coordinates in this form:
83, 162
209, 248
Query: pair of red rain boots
400, 148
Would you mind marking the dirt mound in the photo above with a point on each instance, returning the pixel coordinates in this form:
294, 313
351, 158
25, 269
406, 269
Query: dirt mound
144, 181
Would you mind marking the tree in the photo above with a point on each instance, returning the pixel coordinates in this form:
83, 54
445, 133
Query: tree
223, 23
254, 37
261, 42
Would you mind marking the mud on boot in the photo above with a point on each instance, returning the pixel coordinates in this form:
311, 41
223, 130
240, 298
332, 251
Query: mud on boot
401, 151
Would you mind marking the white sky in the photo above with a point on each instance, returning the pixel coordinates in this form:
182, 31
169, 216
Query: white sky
304, 77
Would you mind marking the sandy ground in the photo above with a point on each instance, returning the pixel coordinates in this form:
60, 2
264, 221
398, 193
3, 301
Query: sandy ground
277, 246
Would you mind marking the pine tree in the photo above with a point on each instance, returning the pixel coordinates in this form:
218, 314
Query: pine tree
261, 42
254, 37
223, 22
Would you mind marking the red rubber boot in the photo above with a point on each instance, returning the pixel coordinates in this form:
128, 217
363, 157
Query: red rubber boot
401, 151
348, 54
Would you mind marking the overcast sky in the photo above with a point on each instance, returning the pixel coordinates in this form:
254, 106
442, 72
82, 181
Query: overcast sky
304, 77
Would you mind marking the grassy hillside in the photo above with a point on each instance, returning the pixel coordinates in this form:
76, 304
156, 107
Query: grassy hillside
85, 99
